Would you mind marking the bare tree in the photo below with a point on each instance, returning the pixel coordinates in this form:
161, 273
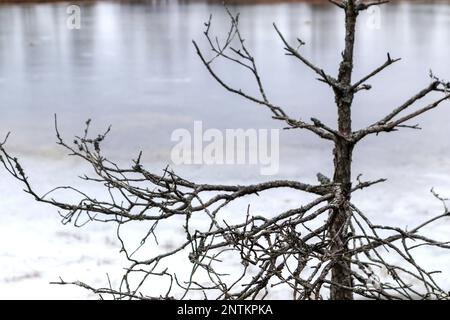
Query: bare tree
327, 248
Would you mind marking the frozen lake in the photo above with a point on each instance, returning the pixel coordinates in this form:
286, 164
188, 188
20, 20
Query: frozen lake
133, 66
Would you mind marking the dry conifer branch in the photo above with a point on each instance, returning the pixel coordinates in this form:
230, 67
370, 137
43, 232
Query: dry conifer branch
327, 248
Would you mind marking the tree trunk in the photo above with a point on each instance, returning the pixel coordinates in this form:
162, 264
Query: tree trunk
340, 275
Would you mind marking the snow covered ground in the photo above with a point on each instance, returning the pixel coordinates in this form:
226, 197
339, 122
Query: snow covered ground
37, 249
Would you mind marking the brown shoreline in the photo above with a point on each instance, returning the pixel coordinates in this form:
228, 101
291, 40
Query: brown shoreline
209, 1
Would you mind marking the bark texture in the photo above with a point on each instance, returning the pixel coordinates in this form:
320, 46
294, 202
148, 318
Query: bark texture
340, 276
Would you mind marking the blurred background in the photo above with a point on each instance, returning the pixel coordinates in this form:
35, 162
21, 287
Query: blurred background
132, 65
